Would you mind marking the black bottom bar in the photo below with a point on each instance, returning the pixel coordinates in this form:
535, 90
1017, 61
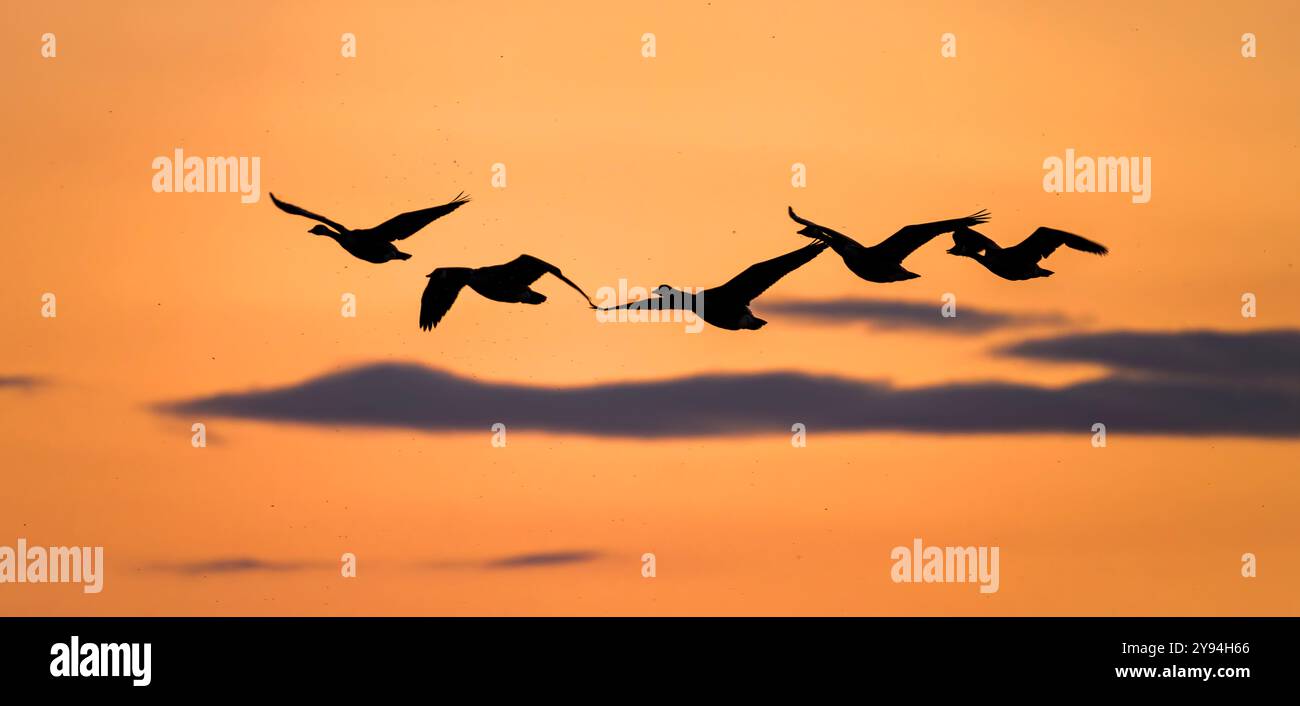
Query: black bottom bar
203, 655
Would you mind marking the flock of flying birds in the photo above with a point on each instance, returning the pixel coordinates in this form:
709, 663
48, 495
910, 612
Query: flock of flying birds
725, 306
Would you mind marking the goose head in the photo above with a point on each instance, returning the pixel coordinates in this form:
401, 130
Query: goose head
320, 229
964, 250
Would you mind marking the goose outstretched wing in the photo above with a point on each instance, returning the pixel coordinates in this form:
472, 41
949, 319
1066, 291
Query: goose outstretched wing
1045, 241
756, 279
440, 293
407, 224
822, 233
298, 211
909, 238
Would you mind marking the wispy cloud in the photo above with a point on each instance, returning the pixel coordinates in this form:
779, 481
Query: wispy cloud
526, 561
1271, 356
23, 382
1210, 399
254, 565
232, 565
887, 314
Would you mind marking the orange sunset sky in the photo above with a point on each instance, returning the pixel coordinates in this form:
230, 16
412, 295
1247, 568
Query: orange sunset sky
675, 169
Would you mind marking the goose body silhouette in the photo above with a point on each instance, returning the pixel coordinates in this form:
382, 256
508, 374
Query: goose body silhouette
509, 283
727, 306
375, 244
1019, 262
883, 262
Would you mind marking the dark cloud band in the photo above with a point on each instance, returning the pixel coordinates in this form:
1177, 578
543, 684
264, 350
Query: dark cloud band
1213, 393
887, 314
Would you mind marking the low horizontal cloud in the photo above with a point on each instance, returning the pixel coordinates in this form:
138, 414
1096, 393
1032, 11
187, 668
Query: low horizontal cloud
893, 314
21, 382
526, 561
1271, 357
1212, 400
253, 565
232, 565
518, 561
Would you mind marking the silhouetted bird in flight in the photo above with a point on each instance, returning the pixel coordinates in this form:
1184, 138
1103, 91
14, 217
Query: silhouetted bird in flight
376, 244
884, 262
501, 283
1019, 261
727, 306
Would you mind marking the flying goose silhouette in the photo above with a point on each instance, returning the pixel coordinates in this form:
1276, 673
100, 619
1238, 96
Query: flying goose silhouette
501, 283
1020, 261
727, 306
883, 262
375, 244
